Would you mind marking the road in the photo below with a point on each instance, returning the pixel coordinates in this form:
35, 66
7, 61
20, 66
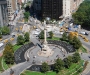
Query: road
12, 26
20, 67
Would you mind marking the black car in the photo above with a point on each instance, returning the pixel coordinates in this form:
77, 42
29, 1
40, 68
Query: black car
86, 33
88, 56
13, 36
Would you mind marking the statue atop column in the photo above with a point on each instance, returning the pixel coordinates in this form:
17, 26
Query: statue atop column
45, 38
46, 51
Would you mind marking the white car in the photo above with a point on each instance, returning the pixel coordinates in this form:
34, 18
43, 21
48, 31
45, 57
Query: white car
83, 33
61, 32
1, 44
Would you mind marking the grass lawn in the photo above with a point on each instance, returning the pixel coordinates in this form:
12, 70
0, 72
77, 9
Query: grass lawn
1, 64
82, 49
15, 47
54, 38
37, 73
72, 69
4, 64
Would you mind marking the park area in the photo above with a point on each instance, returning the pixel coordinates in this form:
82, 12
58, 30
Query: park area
37, 73
74, 69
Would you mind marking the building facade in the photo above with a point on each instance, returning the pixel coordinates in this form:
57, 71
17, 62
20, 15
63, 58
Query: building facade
56, 9
70, 6
19, 4
12, 9
52, 8
37, 6
3, 13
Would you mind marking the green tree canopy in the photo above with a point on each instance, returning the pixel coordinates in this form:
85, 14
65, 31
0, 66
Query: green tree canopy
76, 57
76, 42
82, 15
8, 54
26, 15
64, 36
58, 65
45, 67
51, 34
68, 61
20, 40
26, 37
41, 35
0, 35
5, 30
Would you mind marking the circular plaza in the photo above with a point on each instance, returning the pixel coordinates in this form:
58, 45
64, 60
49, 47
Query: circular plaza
29, 52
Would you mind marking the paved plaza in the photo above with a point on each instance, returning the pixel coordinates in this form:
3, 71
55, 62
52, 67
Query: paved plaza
30, 53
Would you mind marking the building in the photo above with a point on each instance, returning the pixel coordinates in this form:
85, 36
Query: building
3, 13
70, 6
37, 6
19, 4
52, 8
12, 9
56, 9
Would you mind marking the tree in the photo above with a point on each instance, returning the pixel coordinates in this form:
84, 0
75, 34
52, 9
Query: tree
5, 30
76, 57
70, 38
64, 36
68, 61
51, 34
82, 15
76, 42
26, 37
20, 40
58, 65
0, 35
26, 16
45, 67
8, 54
41, 35
22, 6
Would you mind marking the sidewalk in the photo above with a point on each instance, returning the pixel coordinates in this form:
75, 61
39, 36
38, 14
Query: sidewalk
16, 18
88, 51
87, 70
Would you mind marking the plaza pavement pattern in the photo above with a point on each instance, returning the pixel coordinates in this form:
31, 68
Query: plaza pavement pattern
23, 64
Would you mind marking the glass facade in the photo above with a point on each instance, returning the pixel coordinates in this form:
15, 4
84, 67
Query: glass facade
3, 13
52, 8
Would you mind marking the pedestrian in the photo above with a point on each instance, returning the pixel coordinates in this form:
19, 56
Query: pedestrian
11, 71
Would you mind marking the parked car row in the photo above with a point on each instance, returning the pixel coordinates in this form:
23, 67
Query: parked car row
84, 33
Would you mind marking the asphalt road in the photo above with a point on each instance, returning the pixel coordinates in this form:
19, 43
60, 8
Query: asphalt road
20, 67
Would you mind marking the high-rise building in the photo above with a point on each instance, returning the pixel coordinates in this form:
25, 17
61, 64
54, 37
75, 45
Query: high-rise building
19, 3
12, 9
56, 9
70, 6
3, 13
37, 6
52, 8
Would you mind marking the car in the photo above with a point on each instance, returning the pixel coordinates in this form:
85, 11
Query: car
13, 36
1, 44
82, 33
86, 33
88, 56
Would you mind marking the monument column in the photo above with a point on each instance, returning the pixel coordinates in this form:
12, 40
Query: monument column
45, 38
